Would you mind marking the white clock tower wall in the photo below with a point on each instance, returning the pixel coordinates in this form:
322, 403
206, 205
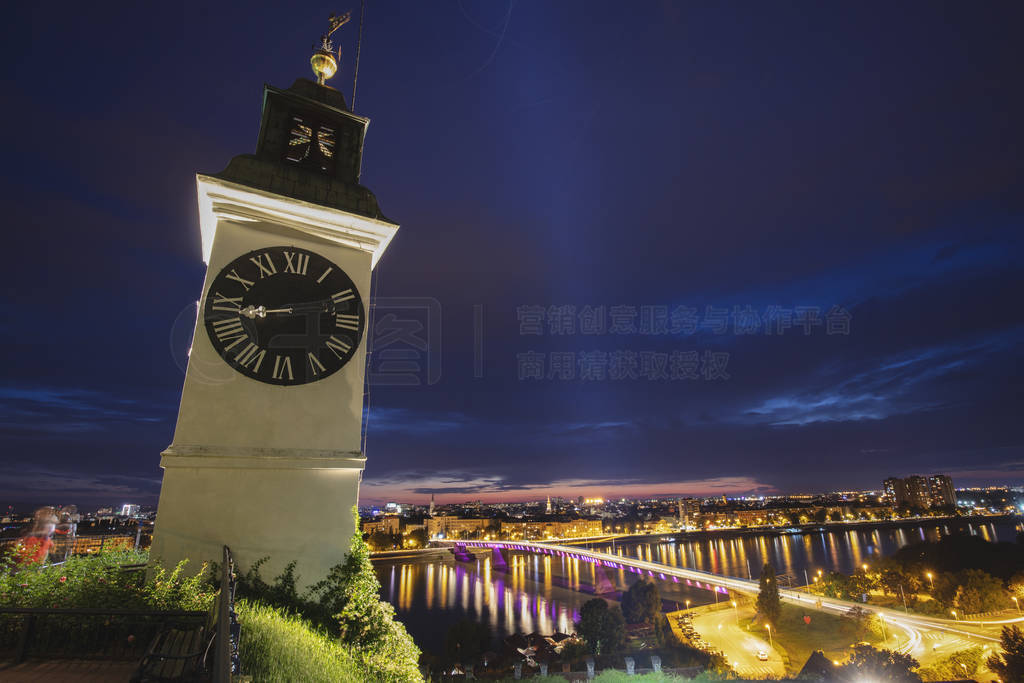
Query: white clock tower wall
322, 415
272, 470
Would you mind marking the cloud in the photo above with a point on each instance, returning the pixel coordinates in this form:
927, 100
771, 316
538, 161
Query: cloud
405, 421
456, 487
38, 485
891, 388
63, 411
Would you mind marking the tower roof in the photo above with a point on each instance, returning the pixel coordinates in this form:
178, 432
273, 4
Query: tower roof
310, 148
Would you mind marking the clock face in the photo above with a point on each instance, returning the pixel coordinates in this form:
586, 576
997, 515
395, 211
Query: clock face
284, 315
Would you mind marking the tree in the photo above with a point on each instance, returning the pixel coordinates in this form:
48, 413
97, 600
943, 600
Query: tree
1017, 586
1009, 665
467, 640
417, 538
867, 663
768, 604
604, 629
970, 592
641, 604
980, 592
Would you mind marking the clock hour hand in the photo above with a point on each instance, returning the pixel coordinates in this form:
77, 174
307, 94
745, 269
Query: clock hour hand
253, 312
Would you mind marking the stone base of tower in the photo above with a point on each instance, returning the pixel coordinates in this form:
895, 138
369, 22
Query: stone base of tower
262, 503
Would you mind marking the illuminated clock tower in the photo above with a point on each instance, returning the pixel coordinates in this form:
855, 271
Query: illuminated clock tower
266, 456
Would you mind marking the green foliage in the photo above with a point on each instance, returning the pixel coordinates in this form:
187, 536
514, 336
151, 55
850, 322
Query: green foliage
614, 676
277, 646
383, 540
867, 663
1009, 665
418, 538
467, 640
97, 581
602, 628
868, 624
1016, 585
641, 604
347, 605
768, 604
971, 591
961, 664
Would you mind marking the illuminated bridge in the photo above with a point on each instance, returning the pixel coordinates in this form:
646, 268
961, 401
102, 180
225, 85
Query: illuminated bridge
912, 624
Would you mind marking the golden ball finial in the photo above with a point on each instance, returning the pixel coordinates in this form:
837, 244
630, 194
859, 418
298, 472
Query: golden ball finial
324, 65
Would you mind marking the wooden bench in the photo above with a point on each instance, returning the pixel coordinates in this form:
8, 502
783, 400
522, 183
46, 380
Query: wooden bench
178, 653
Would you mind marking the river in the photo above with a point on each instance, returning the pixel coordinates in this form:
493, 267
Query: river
544, 594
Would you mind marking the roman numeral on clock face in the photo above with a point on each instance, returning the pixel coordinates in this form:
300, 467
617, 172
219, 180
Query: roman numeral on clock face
343, 296
347, 321
251, 355
314, 364
265, 264
229, 330
282, 368
296, 263
226, 303
233, 275
338, 347
291, 330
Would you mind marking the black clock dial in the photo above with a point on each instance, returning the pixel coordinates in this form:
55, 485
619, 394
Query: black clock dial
284, 315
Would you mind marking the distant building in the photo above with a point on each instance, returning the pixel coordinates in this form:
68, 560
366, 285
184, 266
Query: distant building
689, 511
941, 490
920, 492
451, 526
129, 510
431, 505
527, 530
389, 524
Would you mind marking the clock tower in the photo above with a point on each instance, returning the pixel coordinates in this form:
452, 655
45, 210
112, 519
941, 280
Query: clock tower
267, 453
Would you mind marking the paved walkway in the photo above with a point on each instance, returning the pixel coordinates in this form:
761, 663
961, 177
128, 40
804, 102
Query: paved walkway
67, 670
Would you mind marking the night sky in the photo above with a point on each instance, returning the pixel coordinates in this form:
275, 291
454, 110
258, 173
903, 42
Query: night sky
846, 176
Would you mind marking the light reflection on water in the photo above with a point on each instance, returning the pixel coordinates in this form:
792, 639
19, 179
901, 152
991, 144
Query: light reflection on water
842, 551
543, 593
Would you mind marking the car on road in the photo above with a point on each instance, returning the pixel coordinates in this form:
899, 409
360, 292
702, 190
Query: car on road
762, 655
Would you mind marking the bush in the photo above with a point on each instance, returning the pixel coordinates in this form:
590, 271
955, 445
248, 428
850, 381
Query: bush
346, 605
958, 665
641, 604
96, 581
276, 646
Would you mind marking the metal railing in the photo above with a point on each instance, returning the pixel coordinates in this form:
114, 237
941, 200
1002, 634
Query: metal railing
225, 657
112, 634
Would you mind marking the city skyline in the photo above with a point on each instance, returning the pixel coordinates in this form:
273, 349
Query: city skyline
662, 250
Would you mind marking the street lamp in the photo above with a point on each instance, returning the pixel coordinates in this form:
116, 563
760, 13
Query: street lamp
770, 642
736, 611
687, 604
1014, 598
931, 583
885, 635
955, 617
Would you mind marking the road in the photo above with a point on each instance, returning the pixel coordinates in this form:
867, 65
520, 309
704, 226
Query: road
722, 631
919, 633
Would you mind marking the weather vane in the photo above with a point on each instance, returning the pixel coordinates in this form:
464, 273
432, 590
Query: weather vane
323, 61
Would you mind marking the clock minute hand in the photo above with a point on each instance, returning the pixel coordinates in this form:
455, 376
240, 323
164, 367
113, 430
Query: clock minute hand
253, 312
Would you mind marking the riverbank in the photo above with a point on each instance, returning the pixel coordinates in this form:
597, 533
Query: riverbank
796, 529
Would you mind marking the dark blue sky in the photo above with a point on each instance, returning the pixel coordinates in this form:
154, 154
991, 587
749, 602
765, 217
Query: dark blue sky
655, 157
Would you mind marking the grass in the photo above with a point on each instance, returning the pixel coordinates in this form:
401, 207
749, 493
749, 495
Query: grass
830, 633
279, 647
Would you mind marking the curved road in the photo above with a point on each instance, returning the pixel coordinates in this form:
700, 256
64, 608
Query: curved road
921, 633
